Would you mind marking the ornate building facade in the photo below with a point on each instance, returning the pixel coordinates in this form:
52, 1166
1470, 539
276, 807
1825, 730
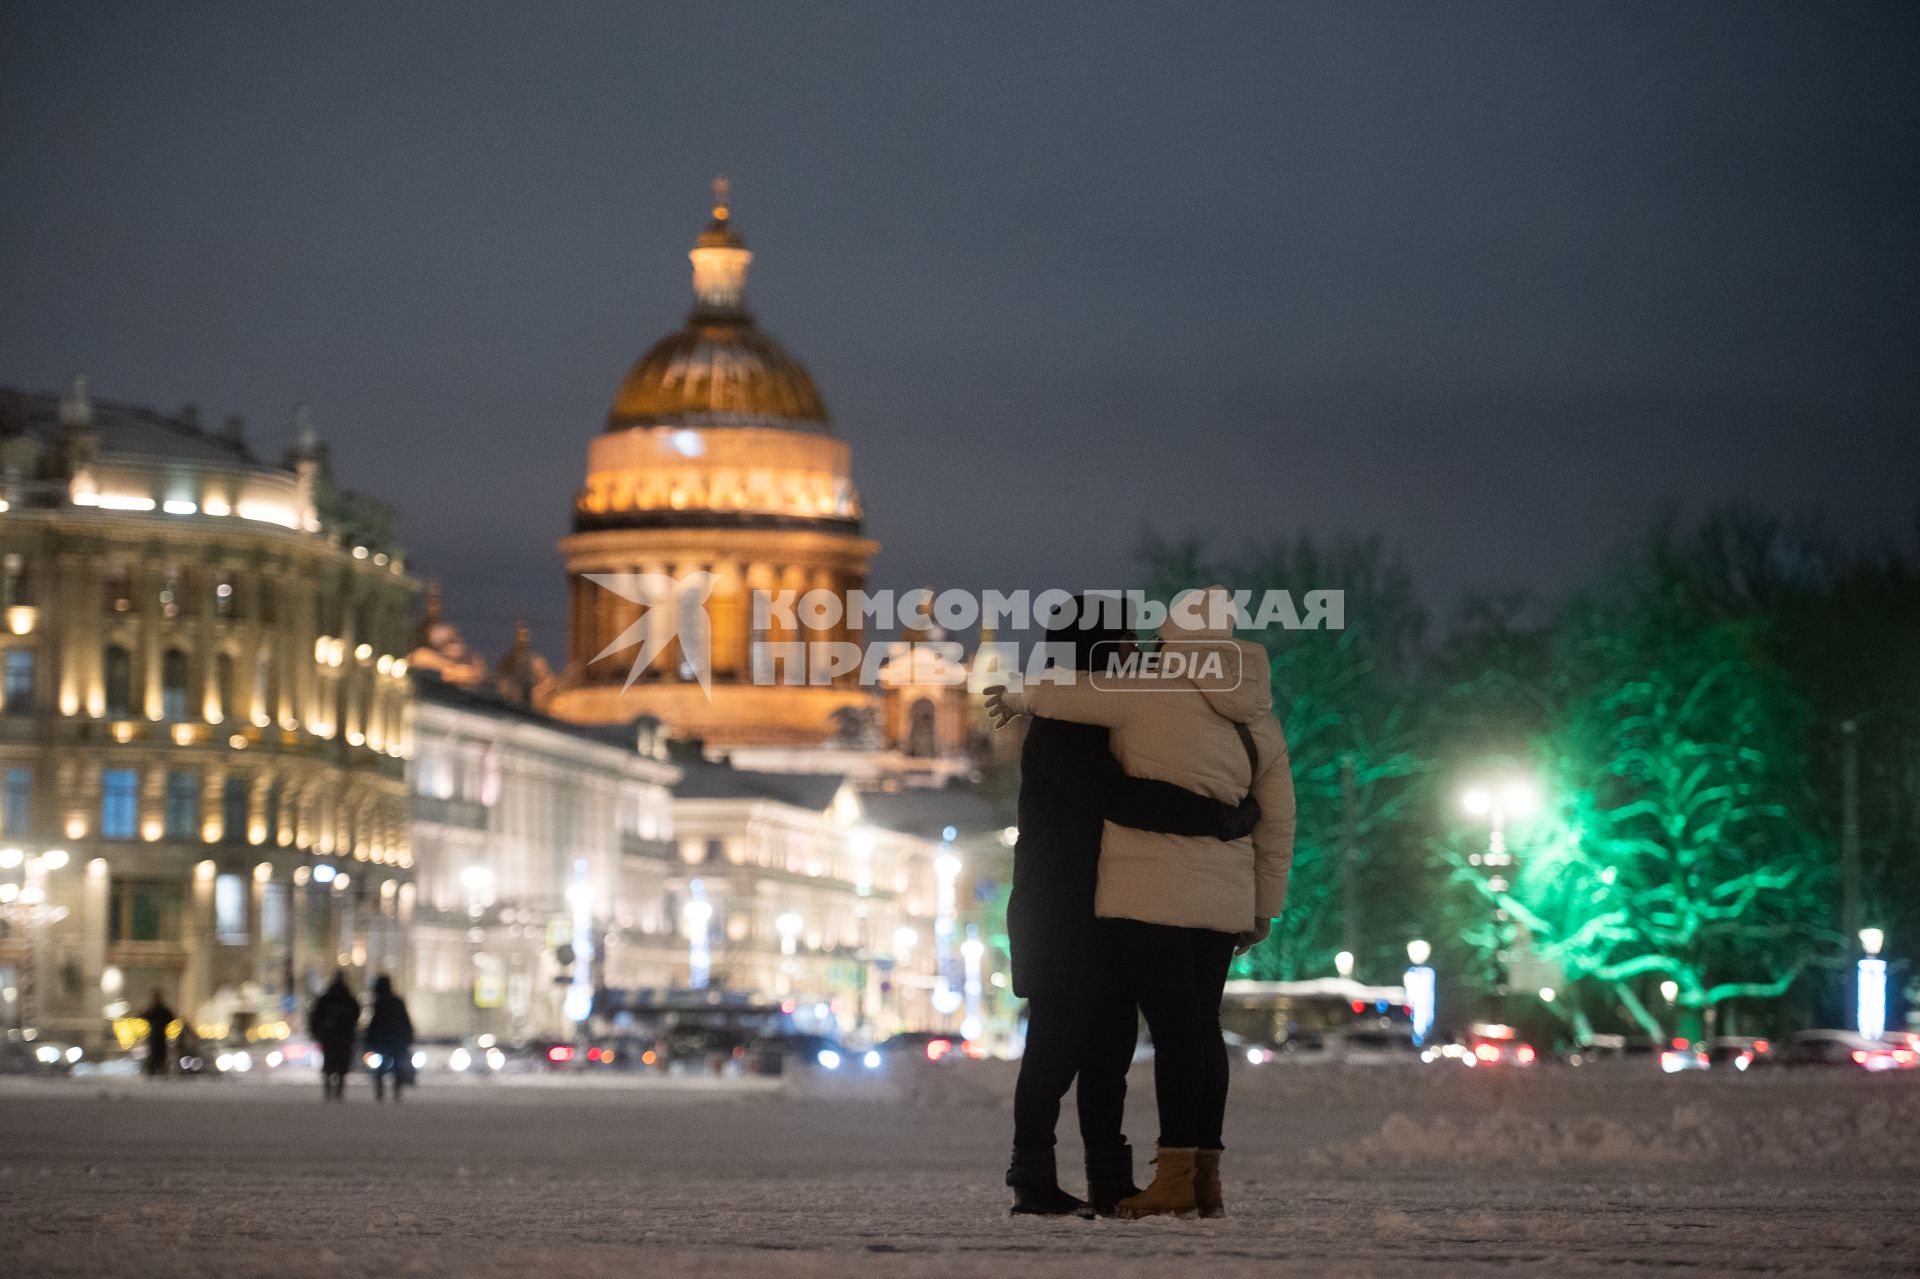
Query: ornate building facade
545, 863
206, 716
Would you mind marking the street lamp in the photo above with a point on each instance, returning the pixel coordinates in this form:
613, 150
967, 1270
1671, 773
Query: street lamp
946, 869
697, 914
1870, 1004
1420, 988
971, 951
1498, 802
1343, 963
1670, 990
789, 926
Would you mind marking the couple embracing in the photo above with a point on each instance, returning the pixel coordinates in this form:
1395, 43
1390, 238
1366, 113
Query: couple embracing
1155, 834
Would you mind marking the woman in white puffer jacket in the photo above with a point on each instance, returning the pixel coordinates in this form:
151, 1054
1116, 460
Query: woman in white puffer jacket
1175, 907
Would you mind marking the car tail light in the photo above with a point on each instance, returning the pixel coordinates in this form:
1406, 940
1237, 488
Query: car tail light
938, 1048
1859, 1057
1487, 1052
560, 1052
1525, 1054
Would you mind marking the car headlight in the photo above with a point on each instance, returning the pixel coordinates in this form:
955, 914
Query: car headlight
828, 1059
459, 1059
872, 1060
419, 1060
495, 1059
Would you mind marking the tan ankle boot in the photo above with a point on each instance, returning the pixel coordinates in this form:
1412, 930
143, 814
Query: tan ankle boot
1206, 1184
1172, 1188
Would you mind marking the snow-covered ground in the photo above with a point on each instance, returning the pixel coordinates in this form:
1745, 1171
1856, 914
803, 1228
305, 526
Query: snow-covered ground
1330, 1172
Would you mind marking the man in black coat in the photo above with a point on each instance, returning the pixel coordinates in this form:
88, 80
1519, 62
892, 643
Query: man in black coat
334, 1022
1080, 1020
390, 1039
158, 1017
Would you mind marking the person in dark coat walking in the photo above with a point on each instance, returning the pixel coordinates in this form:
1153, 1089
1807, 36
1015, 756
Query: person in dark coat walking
158, 1017
334, 1022
1081, 1018
389, 1039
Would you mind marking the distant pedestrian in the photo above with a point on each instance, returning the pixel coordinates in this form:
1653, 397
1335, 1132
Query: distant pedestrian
389, 1039
158, 1017
334, 1021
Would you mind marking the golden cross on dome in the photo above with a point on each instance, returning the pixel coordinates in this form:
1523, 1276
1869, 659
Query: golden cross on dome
721, 190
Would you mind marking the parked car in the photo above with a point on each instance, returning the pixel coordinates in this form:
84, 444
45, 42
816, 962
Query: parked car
475, 1056
1683, 1055
1738, 1051
930, 1045
1497, 1045
1845, 1049
780, 1054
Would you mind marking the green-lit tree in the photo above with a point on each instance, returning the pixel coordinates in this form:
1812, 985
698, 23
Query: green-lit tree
1676, 849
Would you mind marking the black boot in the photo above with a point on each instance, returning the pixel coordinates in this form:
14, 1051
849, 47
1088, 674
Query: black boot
1036, 1187
1109, 1178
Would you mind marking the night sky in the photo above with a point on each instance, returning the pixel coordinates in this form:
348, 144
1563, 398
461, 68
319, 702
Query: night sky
1495, 282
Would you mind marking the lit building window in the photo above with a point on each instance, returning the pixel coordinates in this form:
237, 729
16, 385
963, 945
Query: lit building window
117, 589
173, 684
183, 806
15, 593
16, 802
119, 672
119, 803
233, 809
142, 911
18, 696
230, 910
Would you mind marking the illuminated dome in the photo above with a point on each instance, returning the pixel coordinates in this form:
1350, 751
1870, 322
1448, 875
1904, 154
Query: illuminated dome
720, 369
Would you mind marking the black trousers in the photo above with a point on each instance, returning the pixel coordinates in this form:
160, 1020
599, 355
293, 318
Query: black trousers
1088, 1035
1177, 976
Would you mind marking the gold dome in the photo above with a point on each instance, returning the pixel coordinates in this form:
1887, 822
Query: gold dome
720, 370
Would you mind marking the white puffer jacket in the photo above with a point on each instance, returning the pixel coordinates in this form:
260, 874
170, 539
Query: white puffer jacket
1178, 731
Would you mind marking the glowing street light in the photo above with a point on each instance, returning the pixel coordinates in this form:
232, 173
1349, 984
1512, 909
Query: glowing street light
946, 869
578, 1005
1343, 963
789, 926
1419, 984
1497, 802
971, 951
1670, 990
697, 914
1870, 1000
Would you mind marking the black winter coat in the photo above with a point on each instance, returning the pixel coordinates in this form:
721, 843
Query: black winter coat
1069, 784
333, 1021
390, 1030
